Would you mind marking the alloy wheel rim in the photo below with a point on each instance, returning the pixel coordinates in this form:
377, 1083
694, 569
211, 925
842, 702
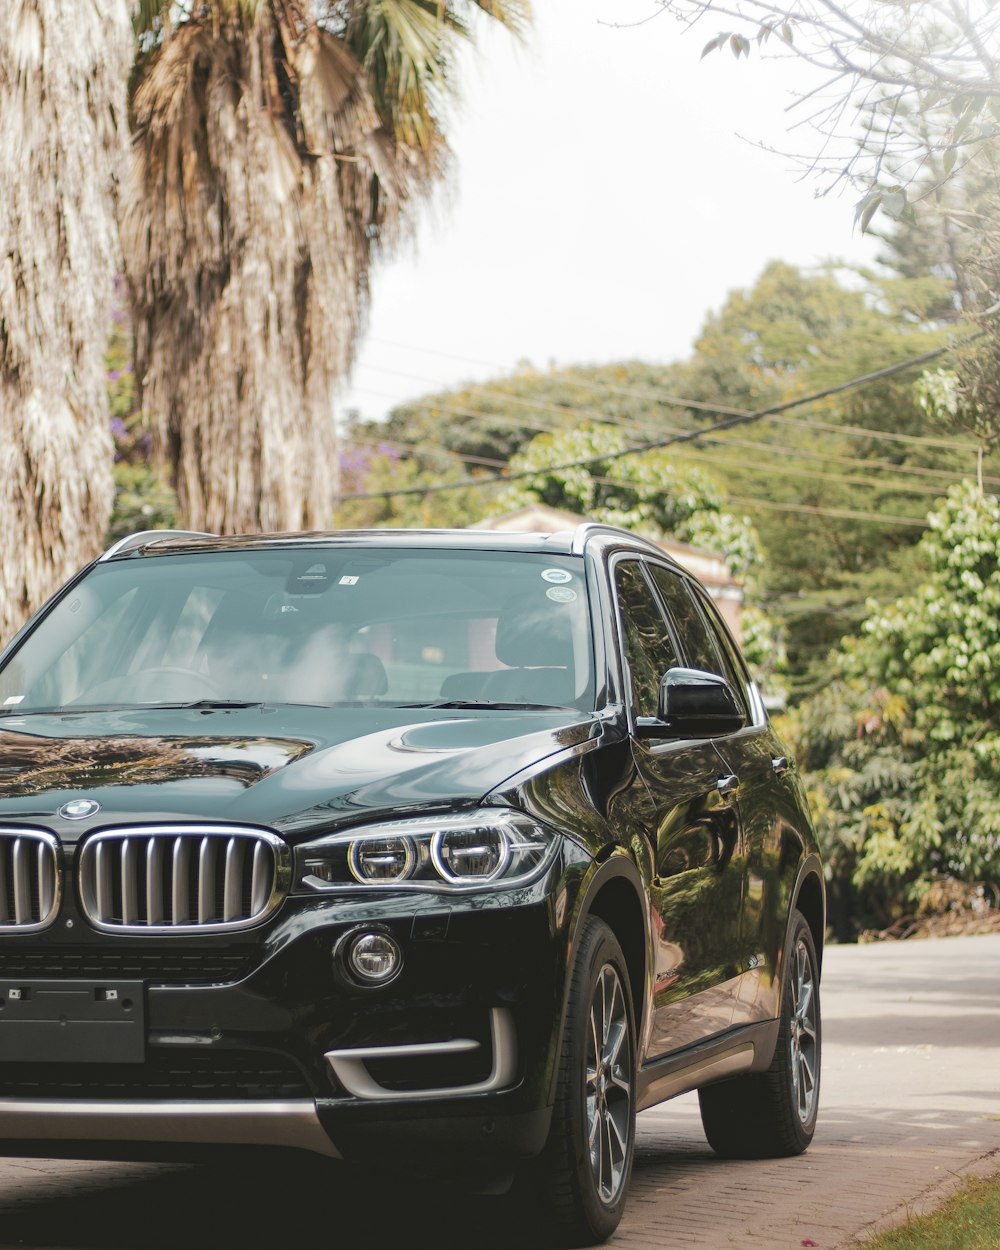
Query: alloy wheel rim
609, 1090
804, 1035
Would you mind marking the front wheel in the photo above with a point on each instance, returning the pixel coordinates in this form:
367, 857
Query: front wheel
585, 1169
772, 1114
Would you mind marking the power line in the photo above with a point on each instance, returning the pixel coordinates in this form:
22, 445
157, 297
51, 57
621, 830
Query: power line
755, 501
681, 437
709, 462
891, 436
671, 401
800, 453
788, 470
848, 514
779, 449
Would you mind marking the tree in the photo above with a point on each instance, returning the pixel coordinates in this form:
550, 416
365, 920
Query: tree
369, 468
63, 71
648, 492
924, 77
279, 145
902, 750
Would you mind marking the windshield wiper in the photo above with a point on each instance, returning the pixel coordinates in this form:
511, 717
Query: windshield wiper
76, 709
491, 703
207, 705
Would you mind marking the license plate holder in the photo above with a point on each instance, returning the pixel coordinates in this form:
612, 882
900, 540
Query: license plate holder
72, 1021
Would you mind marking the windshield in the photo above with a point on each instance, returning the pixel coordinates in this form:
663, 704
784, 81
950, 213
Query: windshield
320, 625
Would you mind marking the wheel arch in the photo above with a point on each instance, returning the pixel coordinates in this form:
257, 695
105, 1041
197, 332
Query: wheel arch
614, 894
810, 899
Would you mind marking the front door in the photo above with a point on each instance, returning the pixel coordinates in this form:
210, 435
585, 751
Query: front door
694, 831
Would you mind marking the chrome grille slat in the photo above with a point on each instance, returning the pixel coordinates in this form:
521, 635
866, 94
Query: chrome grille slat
232, 900
29, 879
22, 884
103, 874
206, 882
258, 883
177, 878
130, 883
154, 881
46, 871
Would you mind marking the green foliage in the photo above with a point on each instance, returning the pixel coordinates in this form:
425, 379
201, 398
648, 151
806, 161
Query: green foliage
142, 499
370, 468
951, 398
902, 750
648, 492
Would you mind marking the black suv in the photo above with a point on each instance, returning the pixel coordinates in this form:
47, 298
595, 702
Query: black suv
453, 848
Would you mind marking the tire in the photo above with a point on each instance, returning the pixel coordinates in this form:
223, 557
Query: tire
583, 1175
772, 1114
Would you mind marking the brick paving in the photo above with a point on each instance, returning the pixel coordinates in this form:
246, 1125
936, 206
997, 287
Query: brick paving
910, 1100
910, 1097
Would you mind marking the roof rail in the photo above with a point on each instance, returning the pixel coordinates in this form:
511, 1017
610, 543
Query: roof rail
132, 542
583, 532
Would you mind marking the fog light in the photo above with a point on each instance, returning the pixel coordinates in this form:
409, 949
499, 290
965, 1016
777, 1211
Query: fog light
374, 958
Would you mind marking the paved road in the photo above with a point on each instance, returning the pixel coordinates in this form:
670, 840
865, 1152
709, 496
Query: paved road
910, 1098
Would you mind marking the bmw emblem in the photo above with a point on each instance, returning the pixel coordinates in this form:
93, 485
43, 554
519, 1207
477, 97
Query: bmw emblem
79, 809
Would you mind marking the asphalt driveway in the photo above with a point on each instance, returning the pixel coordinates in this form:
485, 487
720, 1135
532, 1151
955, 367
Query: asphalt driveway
910, 1099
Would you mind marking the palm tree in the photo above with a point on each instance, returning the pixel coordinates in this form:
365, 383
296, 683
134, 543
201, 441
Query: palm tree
63, 135
279, 144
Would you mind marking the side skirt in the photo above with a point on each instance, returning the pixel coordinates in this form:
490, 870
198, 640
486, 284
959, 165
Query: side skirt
747, 1049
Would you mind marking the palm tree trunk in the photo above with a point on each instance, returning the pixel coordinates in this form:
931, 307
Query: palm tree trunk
246, 288
63, 75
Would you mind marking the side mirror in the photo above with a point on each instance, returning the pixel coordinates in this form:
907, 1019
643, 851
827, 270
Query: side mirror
694, 704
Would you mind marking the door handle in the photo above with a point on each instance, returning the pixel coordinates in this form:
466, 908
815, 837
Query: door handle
728, 785
779, 765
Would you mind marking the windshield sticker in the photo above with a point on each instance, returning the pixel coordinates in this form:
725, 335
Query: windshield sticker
349, 581
560, 594
557, 575
13, 698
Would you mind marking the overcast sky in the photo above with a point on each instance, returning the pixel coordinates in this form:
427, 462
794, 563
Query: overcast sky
607, 192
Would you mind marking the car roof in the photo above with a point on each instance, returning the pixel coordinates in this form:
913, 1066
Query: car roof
563, 542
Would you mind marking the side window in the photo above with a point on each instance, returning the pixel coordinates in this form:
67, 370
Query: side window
696, 641
649, 648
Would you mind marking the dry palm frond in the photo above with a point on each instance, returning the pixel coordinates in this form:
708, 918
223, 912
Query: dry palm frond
63, 70
248, 276
274, 153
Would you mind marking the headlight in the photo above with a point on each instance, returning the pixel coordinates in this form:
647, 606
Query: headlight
455, 852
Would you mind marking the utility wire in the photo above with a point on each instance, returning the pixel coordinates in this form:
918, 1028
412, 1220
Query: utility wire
709, 461
688, 436
671, 401
844, 513
780, 449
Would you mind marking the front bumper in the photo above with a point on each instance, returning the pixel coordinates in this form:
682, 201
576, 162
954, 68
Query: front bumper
453, 1061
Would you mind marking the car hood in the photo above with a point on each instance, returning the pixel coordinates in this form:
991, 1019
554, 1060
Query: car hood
294, 769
